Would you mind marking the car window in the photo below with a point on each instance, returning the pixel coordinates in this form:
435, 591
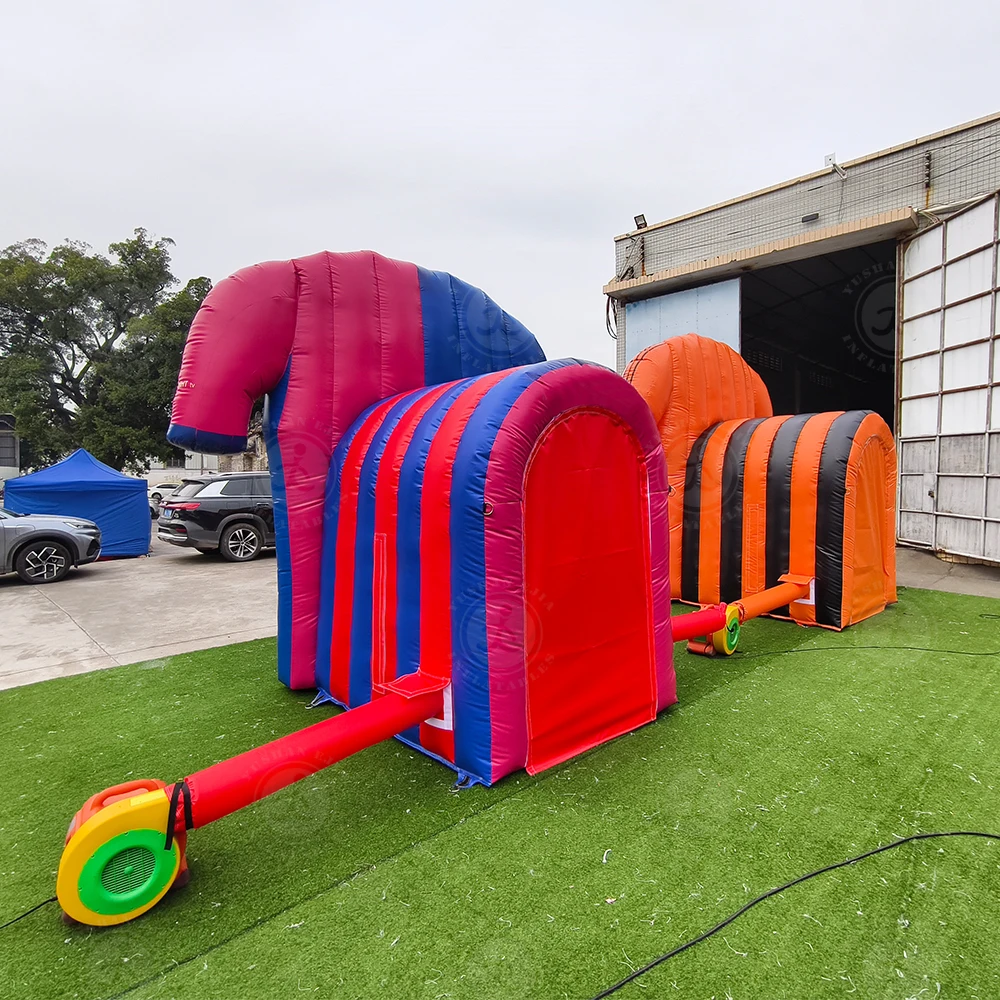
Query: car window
241, 487
212, 488
262, 486
188, 490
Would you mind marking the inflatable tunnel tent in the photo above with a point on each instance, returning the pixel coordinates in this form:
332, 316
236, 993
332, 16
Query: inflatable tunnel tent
81, 486
472, 541
491, 524
505, 536
756, 496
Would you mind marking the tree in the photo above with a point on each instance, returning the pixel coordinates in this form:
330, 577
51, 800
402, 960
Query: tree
90, 347
133, 386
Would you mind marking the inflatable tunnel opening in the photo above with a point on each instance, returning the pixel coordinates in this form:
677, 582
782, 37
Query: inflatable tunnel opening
590, 668
820, 332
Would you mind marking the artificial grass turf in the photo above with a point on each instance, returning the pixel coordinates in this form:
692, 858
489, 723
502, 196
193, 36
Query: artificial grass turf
771, 765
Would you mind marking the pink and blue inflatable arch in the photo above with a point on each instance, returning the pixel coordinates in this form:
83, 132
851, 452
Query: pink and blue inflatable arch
324, 337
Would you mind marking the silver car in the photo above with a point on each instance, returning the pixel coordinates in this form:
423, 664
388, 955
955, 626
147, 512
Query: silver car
43, 548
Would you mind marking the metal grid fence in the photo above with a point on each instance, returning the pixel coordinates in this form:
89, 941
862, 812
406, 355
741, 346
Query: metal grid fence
949, 387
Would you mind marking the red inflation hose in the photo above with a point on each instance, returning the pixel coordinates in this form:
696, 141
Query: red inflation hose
232, 784
703, 622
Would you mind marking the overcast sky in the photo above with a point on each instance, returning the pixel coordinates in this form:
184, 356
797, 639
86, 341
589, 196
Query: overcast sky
506, 142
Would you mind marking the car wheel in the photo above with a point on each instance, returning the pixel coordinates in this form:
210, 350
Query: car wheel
43, 562
241, 543
157, 497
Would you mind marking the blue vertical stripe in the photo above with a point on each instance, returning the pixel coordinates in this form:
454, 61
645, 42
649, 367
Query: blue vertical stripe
411, 485
442, 350
466, 333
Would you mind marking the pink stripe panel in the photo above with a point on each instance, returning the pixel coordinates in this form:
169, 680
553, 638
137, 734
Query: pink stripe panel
398, 288
358, 339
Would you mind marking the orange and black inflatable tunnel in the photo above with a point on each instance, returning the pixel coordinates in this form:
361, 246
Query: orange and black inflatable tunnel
755, 497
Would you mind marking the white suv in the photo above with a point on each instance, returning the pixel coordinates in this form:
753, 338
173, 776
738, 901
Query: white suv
158, 491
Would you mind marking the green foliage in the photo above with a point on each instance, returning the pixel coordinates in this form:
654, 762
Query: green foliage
90, 347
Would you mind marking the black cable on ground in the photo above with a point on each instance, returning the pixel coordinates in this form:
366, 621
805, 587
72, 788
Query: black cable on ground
846, 649
27, 913
781, 888
910, 649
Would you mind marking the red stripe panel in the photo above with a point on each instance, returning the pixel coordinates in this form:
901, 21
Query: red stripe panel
386, 521
401, 323
347, 526
435, 530
377, 328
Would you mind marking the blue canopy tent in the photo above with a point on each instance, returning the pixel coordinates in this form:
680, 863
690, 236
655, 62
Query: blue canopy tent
80, 486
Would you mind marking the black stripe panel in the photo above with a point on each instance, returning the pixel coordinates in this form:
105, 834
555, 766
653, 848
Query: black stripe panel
731, 570
830, 516
779, 500
691, 530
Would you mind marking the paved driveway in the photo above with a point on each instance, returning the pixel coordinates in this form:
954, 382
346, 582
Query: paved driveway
130, 610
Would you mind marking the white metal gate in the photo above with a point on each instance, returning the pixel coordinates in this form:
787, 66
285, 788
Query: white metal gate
949, 411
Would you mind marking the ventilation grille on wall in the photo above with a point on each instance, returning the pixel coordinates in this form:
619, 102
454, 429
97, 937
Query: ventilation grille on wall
759, 360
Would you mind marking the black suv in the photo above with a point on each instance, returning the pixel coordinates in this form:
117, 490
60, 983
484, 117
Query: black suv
231, 512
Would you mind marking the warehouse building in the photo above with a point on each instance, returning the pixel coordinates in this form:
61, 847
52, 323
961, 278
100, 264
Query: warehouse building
10, 464
869, 284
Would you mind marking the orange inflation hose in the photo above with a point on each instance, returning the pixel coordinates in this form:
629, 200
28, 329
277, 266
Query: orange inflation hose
770, 599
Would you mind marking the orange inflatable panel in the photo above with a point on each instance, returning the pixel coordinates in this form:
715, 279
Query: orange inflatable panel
692, 383
755, 497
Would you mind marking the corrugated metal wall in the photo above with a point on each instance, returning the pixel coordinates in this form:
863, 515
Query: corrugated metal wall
957, 166
949, 412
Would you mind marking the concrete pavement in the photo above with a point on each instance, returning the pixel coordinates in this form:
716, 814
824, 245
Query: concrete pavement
918, 568
130, 610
